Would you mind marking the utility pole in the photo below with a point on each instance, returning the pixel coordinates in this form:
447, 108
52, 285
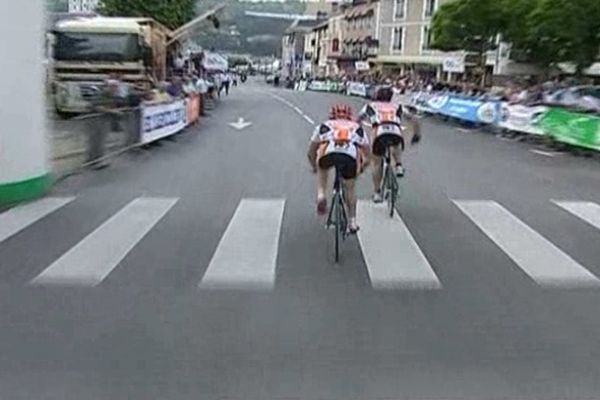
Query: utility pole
23, 149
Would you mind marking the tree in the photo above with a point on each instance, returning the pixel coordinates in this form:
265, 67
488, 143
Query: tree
171, 13
470, 25
565, 31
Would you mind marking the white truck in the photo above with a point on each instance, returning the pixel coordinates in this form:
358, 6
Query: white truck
88, 50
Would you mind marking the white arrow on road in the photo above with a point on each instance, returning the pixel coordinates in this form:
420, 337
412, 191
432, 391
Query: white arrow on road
240, 124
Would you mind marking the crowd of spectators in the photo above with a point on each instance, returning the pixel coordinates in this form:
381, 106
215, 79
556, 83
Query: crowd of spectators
566, 92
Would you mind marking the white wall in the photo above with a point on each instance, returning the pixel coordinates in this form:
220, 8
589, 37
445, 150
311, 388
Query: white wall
22, 103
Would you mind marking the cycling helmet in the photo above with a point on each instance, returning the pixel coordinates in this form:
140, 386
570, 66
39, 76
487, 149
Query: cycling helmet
340, 111
384, 94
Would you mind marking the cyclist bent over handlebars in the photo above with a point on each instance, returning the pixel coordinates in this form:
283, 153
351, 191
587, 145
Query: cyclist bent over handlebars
385, 118
339, 142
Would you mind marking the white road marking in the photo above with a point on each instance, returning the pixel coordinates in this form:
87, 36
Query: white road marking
393, 257
92, 259
466, 130
294, 107
545, 263
308, 119
587, 211
545, 153
246, 256
18, 218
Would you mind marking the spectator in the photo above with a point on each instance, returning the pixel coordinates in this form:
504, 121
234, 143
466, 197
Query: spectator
175, 88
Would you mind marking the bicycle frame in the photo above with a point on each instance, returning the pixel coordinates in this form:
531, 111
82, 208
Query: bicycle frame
337, 214
389, 184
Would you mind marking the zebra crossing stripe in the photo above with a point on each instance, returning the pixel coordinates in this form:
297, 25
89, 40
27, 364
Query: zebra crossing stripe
19, 218
587, 211
92, 259
392, 256
246, 256
545, 263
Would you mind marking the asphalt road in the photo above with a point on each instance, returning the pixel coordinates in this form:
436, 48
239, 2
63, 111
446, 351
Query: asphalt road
198, 269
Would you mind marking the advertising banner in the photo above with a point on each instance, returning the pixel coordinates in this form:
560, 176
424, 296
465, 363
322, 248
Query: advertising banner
519, 118
193, 109
319, 86
582, 130
214, 62
161, 120
357, 89
454, 64
465, 109
361, 65
420, 101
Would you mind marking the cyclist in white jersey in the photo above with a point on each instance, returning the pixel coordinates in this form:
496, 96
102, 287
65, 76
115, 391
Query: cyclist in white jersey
339, 142
385, 118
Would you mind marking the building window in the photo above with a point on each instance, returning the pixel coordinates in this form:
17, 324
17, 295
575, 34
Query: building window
397, 39
335, 45
430, 7
399, 9
426, 38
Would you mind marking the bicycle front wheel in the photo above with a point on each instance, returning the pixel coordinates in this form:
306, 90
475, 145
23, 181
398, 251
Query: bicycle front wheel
392, 190
337, 225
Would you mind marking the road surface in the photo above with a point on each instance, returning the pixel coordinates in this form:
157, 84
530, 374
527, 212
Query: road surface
198, 269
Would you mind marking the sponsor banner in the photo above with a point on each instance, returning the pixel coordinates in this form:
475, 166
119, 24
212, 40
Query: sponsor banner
454, 64
214, 62
319, 86
161, 120
193, 108
520, 118
357, 89
420, 101
582, 130
465, 109
325, 86
361, 65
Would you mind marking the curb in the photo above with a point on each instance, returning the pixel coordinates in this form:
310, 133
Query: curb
15, 192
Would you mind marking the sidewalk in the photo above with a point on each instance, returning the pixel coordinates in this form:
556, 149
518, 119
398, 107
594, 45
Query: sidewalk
68, 140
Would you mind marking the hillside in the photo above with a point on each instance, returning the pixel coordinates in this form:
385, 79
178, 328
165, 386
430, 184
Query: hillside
242, 34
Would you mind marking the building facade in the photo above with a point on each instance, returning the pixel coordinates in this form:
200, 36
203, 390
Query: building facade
294, 60
360, 39
405, 37
83, 5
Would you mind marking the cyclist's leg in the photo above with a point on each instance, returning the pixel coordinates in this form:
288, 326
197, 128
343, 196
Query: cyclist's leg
377, 174
377, 152
396, 152
350, 172
350, 195
323, 167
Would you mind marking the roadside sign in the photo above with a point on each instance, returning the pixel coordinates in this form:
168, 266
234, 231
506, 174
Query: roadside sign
454, 64
361, 65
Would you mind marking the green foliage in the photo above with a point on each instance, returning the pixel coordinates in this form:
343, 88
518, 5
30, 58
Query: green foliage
549, 31
171, 13
565, 31
468, 25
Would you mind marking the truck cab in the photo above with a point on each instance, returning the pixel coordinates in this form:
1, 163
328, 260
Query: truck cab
87, 51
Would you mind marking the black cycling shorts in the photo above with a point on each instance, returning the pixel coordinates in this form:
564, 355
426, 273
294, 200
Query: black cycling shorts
347, 165
385, 140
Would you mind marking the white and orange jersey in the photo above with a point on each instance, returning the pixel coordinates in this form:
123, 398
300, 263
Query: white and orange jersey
340, 136
385, 118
